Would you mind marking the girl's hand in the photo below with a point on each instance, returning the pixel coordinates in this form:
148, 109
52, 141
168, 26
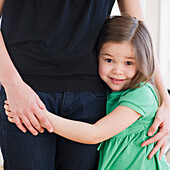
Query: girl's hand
8, 112
161, 121
25, 108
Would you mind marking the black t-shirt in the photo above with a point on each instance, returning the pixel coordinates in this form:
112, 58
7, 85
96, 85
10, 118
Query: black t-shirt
52, 43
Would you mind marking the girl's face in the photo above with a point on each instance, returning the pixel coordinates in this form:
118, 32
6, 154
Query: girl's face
117, 65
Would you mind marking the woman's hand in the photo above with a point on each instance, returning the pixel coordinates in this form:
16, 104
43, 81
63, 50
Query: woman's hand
25, 108
161, 122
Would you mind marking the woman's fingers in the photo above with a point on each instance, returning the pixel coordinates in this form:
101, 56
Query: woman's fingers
36, 123
160, 137
27, 124
162, 150
154, 126
163, 132
158, 146
19, 124
156, 137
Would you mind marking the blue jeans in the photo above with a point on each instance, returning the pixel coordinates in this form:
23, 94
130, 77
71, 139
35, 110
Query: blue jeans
49, 151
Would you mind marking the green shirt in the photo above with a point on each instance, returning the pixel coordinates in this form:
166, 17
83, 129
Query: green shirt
124, 151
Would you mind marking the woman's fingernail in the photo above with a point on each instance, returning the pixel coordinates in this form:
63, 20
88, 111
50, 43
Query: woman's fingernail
149, 133
36, 133
51, 130
42, 131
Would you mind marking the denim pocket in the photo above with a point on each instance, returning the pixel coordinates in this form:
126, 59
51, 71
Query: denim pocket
98, 94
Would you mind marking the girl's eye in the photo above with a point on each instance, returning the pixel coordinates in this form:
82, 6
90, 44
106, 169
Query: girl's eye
129, 63
109, 60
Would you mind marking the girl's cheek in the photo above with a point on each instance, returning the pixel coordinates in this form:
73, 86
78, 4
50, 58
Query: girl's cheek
132, 74
102, 71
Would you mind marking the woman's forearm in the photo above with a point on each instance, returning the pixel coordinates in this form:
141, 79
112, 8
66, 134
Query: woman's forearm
161, 86
131, 7
8, 73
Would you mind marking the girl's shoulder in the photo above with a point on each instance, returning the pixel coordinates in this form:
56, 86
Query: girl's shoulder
145, 91
140, 99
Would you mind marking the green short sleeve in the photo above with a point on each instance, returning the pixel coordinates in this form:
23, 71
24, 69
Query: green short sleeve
142, 100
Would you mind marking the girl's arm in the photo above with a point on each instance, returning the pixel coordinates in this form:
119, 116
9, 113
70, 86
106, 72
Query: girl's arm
105, 128
110, 125
133, 8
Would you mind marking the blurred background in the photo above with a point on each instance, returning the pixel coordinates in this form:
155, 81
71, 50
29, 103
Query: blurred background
156, 14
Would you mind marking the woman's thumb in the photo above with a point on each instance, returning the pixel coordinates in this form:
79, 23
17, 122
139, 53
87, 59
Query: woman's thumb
154, 126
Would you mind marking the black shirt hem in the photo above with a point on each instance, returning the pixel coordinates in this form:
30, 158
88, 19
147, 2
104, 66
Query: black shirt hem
65, 84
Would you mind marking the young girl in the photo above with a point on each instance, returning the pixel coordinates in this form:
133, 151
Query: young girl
126, 65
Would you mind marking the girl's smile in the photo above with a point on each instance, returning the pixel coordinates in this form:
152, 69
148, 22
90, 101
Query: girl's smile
117, 81
117, 65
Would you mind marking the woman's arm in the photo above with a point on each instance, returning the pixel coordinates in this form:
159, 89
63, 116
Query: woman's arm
107, 127
162, 118
1, 6
133, 8
25, 103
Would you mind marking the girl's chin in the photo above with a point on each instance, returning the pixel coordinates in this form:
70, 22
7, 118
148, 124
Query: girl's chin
115, 90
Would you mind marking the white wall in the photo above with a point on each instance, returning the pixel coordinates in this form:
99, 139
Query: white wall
164, 42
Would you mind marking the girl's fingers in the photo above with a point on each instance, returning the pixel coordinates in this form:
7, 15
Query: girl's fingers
8, 113
11, 120
6, 107
6, 102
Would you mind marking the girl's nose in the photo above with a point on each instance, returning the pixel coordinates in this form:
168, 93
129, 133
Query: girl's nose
117, 69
